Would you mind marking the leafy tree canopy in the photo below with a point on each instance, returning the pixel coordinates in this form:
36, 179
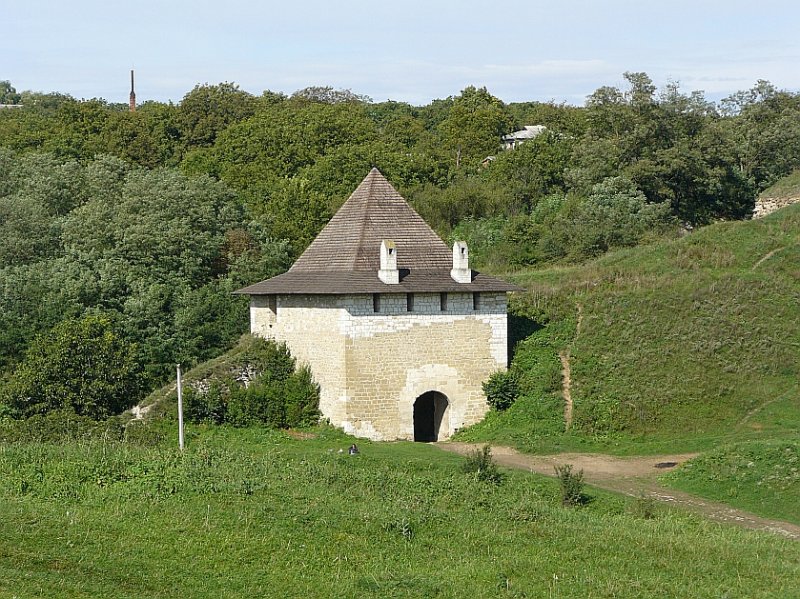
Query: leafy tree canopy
8, 94
81, 365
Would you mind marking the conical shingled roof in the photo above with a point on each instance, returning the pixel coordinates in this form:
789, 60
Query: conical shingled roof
345, 256
374, 212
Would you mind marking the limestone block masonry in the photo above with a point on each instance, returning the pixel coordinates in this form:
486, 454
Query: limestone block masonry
373, 365
765, 206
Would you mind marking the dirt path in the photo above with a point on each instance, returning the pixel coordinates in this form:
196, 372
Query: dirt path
566, 377
767, 257
634, 476
566, 388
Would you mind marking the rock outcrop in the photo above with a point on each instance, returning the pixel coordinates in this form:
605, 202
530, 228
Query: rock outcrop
768, 205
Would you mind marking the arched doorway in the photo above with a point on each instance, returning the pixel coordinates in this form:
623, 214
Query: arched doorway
429, 409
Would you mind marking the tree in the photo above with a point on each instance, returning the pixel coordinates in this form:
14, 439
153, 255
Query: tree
8, 95
159, 251
162, 226
208, 110
616, 214
468, 197
27, 232
256, 155
328, 95
766, 129
294, 212
672, 146
534, 169
80, 365
560, 118
474, 126
148, 137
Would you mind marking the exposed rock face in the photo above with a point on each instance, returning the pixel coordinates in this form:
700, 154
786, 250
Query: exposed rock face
766, 206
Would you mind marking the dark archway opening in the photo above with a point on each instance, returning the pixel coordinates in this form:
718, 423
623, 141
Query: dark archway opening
429, 409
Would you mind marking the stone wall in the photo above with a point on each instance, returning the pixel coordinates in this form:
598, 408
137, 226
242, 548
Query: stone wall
372, 366
766, 206
310, 326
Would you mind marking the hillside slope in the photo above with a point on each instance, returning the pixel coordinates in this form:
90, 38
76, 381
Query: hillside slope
669, 343
783, 193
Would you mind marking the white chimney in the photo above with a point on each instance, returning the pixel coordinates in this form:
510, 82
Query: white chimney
461, 272
388, 272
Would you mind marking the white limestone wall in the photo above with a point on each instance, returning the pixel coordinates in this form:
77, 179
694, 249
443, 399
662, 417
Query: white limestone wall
373, 366
765, 206
309, 325
394, 317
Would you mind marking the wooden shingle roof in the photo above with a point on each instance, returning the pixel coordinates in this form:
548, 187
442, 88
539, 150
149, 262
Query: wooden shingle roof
345, 256
375, 211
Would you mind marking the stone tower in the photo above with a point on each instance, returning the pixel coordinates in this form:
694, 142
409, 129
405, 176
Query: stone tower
396, 327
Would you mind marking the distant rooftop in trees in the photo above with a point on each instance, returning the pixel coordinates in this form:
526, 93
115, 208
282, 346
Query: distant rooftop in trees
512, 140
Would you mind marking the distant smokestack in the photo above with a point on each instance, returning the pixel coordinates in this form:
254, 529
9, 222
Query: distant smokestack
132, 101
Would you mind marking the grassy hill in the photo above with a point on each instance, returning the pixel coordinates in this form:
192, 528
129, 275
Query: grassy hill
787, 187
676, 345
162, 402
252, 512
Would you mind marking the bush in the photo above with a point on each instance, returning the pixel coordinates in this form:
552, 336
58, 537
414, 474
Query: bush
481, 463
260, 402
60, 427
571, 485
644, 507
301, 397
501, 390
82, 366
279, 395
210, 406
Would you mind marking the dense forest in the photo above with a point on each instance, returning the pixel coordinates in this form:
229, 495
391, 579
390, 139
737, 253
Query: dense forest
122, 234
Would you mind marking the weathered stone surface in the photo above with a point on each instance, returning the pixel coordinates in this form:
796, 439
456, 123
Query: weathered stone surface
372, 366
766, 206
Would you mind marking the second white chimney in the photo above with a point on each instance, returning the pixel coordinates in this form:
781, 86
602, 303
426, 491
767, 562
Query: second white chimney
461, 272
388, 272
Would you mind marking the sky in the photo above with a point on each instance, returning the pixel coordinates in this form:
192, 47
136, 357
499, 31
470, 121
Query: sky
411, 51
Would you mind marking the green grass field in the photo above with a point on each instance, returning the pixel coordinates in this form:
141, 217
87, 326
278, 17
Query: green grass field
760, 476
250, 512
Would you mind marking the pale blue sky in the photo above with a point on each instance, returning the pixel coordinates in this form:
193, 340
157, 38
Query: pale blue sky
411, 51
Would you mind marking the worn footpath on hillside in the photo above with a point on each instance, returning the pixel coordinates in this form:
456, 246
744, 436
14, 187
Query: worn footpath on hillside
634, 476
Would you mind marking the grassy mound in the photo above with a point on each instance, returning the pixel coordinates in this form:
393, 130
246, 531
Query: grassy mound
676, 345
787, 187
251, 512
760, 476
243, 357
